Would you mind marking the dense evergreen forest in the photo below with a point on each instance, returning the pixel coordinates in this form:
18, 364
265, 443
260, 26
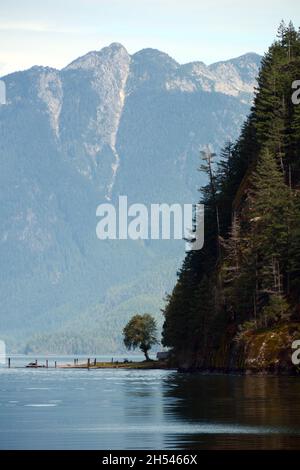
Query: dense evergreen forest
236, 302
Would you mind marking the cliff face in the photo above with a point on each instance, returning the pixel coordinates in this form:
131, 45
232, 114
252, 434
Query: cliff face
264, 352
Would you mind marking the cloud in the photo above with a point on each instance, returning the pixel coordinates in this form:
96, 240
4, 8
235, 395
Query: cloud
16, 26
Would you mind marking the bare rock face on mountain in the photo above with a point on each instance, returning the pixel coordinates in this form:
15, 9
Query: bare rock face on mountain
107, 124
236, 77
95, 112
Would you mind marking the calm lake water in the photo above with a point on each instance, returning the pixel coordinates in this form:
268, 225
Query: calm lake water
119, 409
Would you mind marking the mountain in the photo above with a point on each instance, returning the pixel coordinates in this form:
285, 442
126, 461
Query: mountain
108, 124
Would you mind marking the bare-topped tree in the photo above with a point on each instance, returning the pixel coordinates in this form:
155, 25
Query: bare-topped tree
208, 157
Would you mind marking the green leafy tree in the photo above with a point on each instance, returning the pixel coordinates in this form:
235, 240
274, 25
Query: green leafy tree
140, 332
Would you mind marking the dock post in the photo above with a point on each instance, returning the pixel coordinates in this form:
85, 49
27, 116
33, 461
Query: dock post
95, 361
55, 364
36, 362
9, 362
74, 362
89, 363
47, 363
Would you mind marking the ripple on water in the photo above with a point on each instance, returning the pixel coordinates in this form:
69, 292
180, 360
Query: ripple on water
41, 405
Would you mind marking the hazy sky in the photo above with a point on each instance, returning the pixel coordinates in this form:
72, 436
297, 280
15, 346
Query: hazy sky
54, 32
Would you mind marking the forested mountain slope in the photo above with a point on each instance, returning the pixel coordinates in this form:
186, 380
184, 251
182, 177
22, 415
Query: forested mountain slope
236, 303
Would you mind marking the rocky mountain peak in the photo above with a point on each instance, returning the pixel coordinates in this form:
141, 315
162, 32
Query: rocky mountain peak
92, 60
154, 61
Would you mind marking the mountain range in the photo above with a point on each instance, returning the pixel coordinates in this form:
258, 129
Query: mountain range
108, 124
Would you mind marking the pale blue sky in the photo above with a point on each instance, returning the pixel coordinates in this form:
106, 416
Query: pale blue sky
54, 32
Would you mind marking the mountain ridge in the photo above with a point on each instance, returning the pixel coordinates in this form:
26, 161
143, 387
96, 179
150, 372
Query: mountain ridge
118, 47
115, 45
73, 138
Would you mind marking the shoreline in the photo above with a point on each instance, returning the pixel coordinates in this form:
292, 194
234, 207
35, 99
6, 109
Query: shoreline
87, 363
160, 365
137, 365
165, 365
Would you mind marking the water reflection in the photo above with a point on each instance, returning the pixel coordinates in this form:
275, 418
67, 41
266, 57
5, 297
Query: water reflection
151, 409
234, 412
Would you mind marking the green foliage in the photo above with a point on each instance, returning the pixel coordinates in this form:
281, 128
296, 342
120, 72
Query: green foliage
247, 275
140, 332
277, 309
294, 267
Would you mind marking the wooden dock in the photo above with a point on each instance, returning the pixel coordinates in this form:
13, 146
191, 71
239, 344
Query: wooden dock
89, 364
47, 364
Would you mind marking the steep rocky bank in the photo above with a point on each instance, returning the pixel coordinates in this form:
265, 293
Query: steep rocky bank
254, 352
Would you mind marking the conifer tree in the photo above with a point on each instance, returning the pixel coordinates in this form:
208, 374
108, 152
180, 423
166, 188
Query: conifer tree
269, 214
252, 217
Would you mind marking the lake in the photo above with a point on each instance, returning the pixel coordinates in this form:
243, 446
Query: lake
151, 409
